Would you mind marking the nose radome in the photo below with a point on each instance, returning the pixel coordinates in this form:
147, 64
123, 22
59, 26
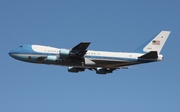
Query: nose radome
14, 52
11, 53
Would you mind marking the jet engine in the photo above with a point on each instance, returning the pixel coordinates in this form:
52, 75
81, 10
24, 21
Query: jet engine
64, 53
75, 70
103, 71
51, 58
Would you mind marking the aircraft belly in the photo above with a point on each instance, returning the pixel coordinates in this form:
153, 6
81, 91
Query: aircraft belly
113, 64
68, 63
35, 58
98, 63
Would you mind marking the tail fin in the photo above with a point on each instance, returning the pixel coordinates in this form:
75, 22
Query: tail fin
155, 44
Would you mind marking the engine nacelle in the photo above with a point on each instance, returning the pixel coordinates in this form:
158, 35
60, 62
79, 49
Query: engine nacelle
103, 71
64, 53
75, 70
51, 58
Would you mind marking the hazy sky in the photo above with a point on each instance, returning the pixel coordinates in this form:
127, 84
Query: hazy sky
111, 25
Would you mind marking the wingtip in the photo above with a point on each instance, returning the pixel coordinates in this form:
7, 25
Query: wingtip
86, 42
166, 31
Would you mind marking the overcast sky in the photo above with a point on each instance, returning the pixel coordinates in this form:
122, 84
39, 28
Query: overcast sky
110, 25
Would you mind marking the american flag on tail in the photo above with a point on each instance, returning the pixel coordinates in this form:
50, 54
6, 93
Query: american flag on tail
155, 42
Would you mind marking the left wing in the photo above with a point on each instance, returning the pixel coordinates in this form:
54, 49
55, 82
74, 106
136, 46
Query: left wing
80, 49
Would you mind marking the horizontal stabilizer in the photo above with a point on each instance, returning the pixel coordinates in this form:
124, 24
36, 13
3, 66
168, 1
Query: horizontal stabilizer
150, 55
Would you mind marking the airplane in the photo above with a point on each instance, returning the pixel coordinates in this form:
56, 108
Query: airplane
79, 58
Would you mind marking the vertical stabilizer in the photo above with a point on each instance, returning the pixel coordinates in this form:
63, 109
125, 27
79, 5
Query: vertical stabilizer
155, 44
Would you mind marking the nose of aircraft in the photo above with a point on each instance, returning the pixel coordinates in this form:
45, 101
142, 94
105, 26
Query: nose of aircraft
12, 53
15, 52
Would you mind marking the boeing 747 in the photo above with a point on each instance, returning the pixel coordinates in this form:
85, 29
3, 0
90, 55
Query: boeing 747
79, 58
